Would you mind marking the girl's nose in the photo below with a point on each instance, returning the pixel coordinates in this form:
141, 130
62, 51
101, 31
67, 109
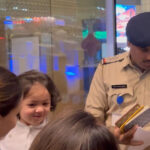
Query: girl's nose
39, 109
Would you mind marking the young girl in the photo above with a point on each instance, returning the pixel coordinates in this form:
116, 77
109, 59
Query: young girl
39, 97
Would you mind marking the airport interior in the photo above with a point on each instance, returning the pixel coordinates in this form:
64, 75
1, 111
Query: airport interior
65, 39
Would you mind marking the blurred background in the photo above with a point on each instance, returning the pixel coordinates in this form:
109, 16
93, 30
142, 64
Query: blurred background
64, 38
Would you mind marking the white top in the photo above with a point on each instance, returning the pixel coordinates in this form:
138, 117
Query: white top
20, 137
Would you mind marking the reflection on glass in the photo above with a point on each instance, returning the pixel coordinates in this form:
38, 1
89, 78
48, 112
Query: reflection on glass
64, 39
124, 11
123, 15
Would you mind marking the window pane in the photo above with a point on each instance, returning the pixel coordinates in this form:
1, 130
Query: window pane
125, 9
64, 38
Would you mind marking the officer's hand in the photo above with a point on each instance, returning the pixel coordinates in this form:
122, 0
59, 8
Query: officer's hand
126, 138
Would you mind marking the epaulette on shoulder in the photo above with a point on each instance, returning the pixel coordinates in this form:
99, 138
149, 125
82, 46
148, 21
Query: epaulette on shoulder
111, 60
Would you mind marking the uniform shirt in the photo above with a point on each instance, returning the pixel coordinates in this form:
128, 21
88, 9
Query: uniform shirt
20, 137
133, 86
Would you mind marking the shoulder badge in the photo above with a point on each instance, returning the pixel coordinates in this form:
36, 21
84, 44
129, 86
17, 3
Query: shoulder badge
106, 61
109, 60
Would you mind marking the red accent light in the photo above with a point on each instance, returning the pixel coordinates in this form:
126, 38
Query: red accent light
2, 38
19, 22
36, 19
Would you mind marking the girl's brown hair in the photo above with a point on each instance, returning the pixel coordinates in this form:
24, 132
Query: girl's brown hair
29, 78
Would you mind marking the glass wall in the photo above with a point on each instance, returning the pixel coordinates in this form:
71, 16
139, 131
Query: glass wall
125, 9
64, 38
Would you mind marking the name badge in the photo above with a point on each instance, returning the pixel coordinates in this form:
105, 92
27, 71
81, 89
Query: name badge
119, 86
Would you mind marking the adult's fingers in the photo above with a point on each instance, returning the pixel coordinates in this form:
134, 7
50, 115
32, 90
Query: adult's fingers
129, 134
126, 138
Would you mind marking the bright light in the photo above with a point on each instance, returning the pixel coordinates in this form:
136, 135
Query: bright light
127, 48
100, 8
24, 9
15, 8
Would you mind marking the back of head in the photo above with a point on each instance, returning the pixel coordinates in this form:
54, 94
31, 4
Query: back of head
78, 131
27, 79
10, 91
138, 30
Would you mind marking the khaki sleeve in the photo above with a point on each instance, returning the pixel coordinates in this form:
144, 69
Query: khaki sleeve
96, 102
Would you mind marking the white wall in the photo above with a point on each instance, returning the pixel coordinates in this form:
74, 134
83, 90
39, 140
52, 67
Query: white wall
110, 47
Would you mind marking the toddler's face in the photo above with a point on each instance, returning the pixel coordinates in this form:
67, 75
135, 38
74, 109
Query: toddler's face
36, 105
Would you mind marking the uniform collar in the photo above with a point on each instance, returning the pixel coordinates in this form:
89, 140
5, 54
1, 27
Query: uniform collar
127, 61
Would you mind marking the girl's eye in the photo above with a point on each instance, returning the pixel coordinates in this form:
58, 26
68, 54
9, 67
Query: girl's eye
31, 105
45, 104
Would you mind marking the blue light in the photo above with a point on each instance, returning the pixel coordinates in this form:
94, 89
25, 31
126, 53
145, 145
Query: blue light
9, 22
28, 20
10, 62
56, 63
8, 17
60, 22
72, 70
43, 64
70, 73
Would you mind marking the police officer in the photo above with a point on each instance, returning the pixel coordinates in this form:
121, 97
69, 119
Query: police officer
123, 80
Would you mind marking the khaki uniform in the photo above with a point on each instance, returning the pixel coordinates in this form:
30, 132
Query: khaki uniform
114, 77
